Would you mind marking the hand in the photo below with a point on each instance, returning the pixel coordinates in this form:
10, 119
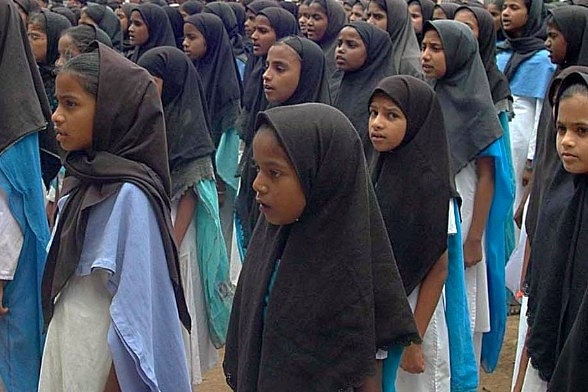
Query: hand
527, 174
518, 216
3, 310
472, 252
412, 360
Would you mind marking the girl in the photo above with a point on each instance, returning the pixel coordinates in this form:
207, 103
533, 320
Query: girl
444, 11
251, 11
303, 15
364, 55
77, 40
149, 27
124, 15
494, 7
406, 121
421, 11
358, 11
197, 227
122, 274
481, 169
312, 305
392, 16
24, 233
191, 7
176, 21
103, 17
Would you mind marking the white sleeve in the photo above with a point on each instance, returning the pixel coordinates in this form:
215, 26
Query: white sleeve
11, 240
533, 140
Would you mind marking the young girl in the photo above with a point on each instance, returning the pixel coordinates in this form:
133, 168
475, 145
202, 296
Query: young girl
191, 7
197, 229
124, 15
112, 296
444, 11
149, 27
317, 295
24, 233
392, 16
77, 40
405, 125
358, 11
481, 168
303, 15
421, 11
103, 17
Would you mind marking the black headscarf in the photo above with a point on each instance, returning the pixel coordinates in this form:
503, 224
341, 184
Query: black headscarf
357, 86
28, 6
448, 9
405, 47
291, 7
427, 7
470, 117
532, 40
67, 13
337, 295
176, 22
572, 21
55, 24
186, 114
107, 20
499, 86
219, 74
128, 109
239, 11
412, 181
192, 7
126, 44
227, 15
160, 30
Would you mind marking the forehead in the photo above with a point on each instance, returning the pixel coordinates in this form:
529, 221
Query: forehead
349, 32
283, 52
465, 14
262, 20
520, 3
267, 148
316, 7
136, 15
431, 35
381, 98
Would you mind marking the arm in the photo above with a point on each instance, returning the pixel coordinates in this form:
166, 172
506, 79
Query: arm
472, 247
430, 291
186, 207
3, 310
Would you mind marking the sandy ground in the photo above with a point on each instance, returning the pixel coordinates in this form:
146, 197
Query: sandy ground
499, 381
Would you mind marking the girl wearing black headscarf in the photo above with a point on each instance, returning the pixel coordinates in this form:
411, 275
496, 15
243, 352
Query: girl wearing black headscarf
444, 11
27, 8
149, 27
124, 15
393, 17
104, 17
421, 11
176, 21
119, 270
78, 39
480, 165
191, 7
319, 292
197, 226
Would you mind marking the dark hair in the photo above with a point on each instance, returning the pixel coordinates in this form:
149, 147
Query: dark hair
86, 68
574, 89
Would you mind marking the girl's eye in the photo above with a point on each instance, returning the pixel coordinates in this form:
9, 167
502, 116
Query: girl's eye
392, 115
582, 131
373, 113
275, 173
561, 129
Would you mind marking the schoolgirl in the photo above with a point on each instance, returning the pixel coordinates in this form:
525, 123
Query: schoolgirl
393, 17
112, 297
77, 40
421, 11
149, 27
203, 258
480, 165
358, 11
124, 15
251, 10
444, 11
313, 305
303, 15
24, 233
176, 21
191, 7
405, 124
104, 18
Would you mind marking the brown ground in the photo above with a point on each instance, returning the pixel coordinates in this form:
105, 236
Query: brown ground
499, 381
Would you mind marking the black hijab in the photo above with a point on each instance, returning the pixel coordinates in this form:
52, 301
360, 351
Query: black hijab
126, 44
128, 109
227, 15
291, 7
532, 40
176, 22
192, 7
219, 74
28, 6
239, 11
357, 86
337, 294
107, 20
412, 181
449, 9
186, 114
572, 21
499, 86
427, 8
160, 30
470, 117
55, 24
61, 10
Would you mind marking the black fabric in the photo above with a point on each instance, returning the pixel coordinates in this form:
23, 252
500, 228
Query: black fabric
470, 117
427, 8
64, 11
227, 15
337, 296
291, 7
107, 20
184, 106
176, 21
412, 181
532, 40
239, 11
448, 9
55, 24
356, 87
572, 21
126, 44
499, 86
219, 74
128, 110
28, 6
192, 7
160, 30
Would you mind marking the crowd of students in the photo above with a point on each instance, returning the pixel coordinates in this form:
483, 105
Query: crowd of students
337, 193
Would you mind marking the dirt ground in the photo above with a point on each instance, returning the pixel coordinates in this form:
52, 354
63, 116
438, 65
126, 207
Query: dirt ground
499, 381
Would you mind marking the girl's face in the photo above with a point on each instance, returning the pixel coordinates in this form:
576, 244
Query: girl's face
249, 23
556, 44
194, 43
496, 15
317, 24
124, 21
74, 116
347, 7
387, 123
351, 53
138, 31
279, 192
263, 35
439, 14
416, 16
356, 13
38, 41
282, 75
466, 16
572, 133
433, 56
67, 50
514, 17
377, 16
303, 15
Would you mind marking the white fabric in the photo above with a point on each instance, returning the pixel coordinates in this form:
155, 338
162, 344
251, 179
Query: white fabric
11, 240
520, 340
437, 375
532, 381
514, 267
451, 223
200, 352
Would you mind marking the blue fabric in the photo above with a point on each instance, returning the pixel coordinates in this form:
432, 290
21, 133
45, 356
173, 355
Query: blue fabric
532, 77
464, 371
21, 338
213, 262
270, 286
496, 253
390, 368
509, 230
241, 67
227, 158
